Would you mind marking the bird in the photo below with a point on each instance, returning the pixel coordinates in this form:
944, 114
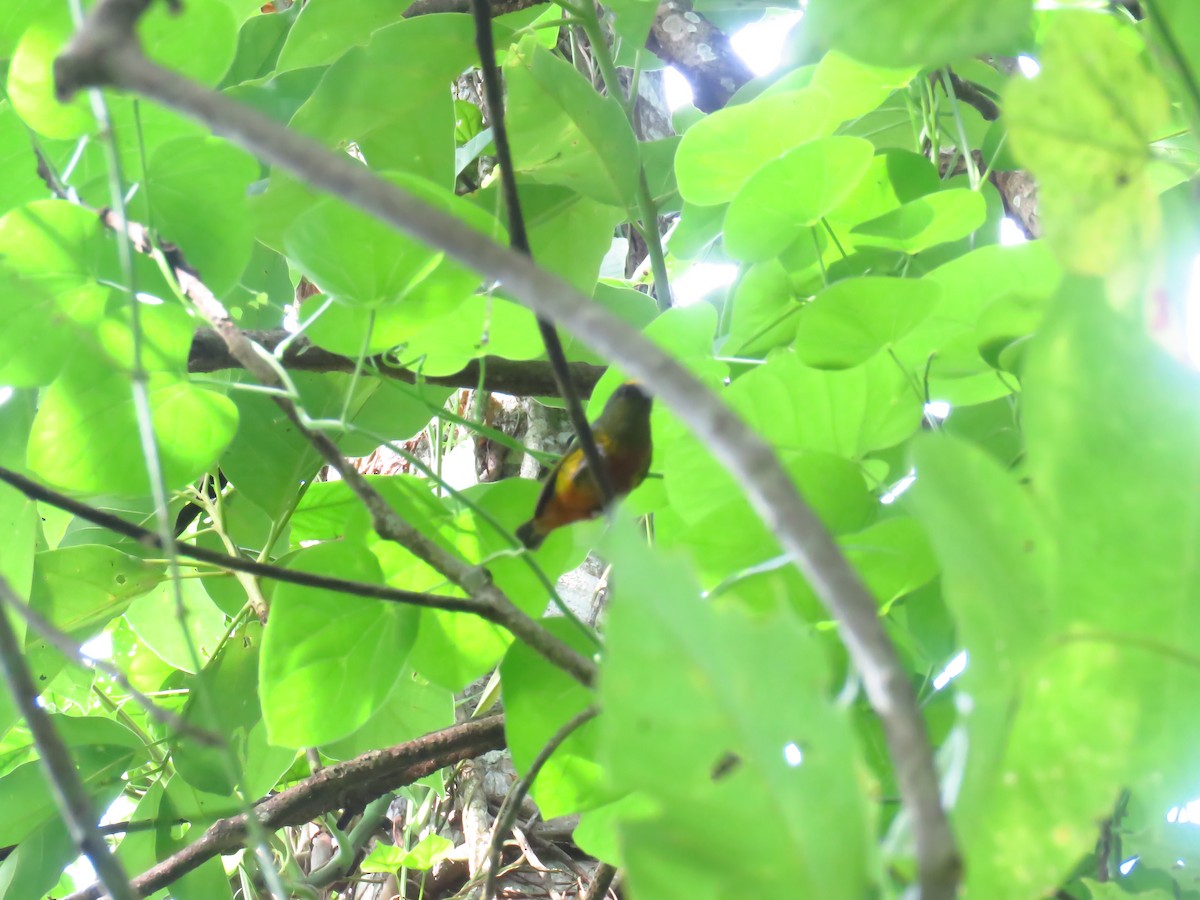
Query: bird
570, 493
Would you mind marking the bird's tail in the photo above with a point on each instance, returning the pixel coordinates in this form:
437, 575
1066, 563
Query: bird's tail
528, 535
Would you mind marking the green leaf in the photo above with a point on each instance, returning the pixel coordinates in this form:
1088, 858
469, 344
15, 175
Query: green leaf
563, 132
50, 258
330, 660
80, 589
539, 699
325, 29
414, 708
428, 852
361, 261
170, 37
925, 222
855, 88
916, 32
33, 867
224, 700
765, 308
569, 234
852, 320
31, 79
155, 620
720, 152
197, 191
401, 77
848, 413
685, 686
791, 193
85, 437
21, 184
1083, 126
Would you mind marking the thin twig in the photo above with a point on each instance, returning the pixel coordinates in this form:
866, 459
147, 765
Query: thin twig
104, 52
519, 240
353, 783
520, 790
113, 523
65, 785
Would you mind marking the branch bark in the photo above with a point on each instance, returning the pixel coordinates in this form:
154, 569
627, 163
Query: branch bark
700, 51
533, 378
102, 54
353, 783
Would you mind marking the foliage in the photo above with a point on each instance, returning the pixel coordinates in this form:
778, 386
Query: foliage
1050, 534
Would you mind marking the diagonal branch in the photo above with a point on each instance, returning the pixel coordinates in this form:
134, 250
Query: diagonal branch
353, 783
101, 54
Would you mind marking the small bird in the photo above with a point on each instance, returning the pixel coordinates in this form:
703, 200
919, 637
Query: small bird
570, 493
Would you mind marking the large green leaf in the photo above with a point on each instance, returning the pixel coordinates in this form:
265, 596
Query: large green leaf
373, 96
330, 660
325, 29
564, 133
917, 32
85, 437
360, 261
925, 222
50, 258
720, 152
80, 589
792, 192
224, 700
687, 689
197, 192
852, 320
539, 699
100, 748
1083, 126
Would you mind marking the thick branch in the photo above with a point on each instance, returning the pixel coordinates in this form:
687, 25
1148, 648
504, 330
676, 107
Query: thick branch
701, 51
532, 378
88, 62
350, 784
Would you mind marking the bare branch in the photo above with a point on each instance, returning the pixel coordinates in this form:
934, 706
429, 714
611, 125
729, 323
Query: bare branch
533, 378
700, 51
349, 784
89, 60
68, 791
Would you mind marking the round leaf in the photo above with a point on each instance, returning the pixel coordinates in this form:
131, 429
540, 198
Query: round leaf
792, 192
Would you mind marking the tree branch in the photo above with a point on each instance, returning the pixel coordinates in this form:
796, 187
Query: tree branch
67, 789
113, 523
353, 783
533, 378
700, 51
96, 57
